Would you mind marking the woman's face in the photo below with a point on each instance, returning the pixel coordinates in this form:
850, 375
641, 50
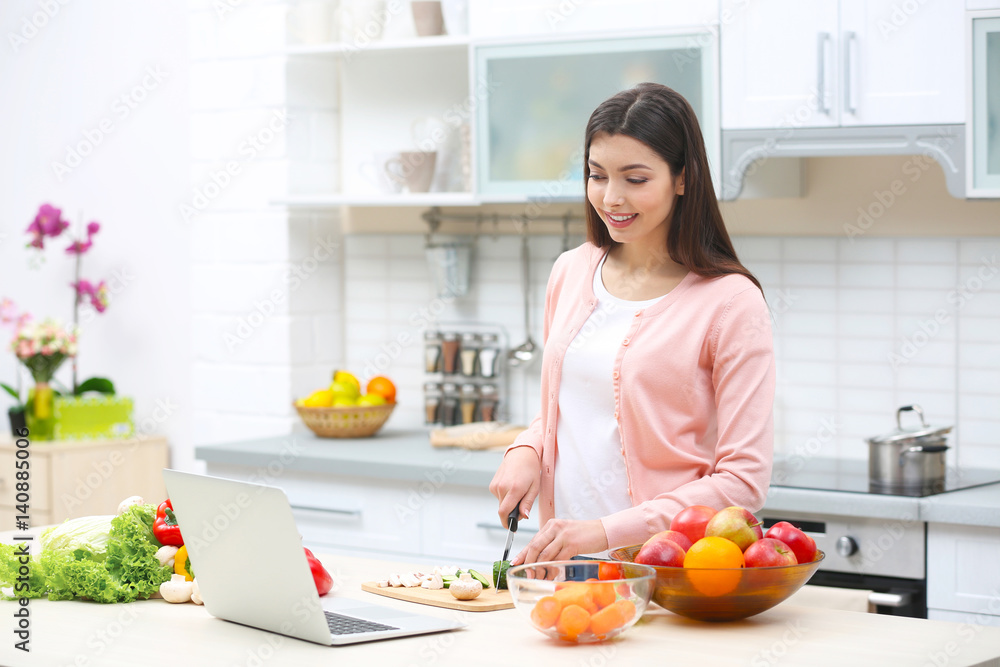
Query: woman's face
631, 188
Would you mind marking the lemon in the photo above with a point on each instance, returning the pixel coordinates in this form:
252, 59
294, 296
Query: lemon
344, 403
344, 390
345, 377
371, 399
322, 398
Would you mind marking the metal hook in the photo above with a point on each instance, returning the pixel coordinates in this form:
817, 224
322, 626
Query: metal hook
433, 219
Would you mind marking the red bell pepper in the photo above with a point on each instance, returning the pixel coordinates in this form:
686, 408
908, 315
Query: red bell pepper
165, 527
322, 578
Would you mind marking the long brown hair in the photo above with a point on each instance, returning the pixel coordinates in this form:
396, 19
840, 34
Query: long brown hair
663, 120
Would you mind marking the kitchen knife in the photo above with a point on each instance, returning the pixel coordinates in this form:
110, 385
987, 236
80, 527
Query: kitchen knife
511, 529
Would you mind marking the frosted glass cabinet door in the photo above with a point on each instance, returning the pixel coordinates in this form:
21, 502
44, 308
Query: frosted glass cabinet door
530, 126
984, 133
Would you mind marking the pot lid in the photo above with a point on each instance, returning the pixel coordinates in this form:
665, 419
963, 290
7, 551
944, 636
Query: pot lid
924, 431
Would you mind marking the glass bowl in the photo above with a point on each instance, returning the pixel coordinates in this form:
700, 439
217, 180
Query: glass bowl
581, 601
723, 594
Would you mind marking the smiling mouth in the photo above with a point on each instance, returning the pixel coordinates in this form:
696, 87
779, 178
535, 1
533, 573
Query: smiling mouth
616, 220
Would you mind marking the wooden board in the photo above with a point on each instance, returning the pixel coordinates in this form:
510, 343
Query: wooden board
489, 600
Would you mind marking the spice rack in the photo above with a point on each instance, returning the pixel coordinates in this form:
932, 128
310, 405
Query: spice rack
465, 377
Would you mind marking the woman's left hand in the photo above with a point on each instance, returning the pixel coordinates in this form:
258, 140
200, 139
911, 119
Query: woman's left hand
561, 539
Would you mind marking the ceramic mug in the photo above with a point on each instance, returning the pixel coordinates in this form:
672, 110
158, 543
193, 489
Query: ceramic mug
377, 172
427, 17
413, 169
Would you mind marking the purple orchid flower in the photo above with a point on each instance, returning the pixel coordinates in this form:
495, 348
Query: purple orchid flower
80, 247
48, 222
98, 293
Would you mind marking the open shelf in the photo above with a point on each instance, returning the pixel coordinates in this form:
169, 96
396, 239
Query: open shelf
413, 199
422, 44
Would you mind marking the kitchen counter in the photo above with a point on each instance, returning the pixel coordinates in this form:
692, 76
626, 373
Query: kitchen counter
408, 456
154, 633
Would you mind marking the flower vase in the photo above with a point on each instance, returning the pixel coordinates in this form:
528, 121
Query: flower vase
40, 412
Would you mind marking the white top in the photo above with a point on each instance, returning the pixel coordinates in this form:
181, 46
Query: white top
590, 479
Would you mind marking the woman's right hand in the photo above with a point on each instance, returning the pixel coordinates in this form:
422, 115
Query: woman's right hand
516, 482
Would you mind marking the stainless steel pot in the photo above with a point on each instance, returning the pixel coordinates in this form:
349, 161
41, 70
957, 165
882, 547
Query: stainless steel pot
908, 461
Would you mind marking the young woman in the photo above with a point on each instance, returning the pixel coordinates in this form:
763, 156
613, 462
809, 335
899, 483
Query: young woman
658, 369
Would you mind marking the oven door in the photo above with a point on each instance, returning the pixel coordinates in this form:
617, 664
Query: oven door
885, 556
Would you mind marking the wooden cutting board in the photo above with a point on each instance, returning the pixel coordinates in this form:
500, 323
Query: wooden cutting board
489, 600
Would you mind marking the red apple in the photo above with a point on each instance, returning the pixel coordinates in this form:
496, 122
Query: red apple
691, 522
736, 524
661, 550
680, 538
803, 546
768, 552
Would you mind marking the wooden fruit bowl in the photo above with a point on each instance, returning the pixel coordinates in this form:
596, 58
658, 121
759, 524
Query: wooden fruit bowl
346, 422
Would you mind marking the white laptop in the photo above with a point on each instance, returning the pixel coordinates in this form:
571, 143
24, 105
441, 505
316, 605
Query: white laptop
247, 555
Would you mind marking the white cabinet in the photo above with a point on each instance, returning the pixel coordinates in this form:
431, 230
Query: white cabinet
983, 126
963, 573
461, 522
791, 64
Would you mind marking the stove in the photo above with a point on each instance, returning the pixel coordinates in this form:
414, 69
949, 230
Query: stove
851, 476
885, 556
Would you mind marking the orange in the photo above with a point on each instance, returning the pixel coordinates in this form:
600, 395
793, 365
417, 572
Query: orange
382, 386
575, 593
546, 612
603, 593
722, 558
627, 608
573, 622
606, 620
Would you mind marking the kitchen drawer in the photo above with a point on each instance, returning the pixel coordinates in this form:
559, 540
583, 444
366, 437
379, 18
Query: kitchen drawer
365, 514
460, 523
40, 484
962, 572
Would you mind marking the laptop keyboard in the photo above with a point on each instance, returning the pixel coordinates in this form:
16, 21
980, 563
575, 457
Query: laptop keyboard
348, 625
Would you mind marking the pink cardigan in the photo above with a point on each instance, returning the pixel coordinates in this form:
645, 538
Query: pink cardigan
694, 388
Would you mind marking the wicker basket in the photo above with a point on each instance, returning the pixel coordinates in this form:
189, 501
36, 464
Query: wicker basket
346, 422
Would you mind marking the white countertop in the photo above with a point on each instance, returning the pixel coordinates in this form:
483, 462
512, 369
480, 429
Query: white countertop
153, 633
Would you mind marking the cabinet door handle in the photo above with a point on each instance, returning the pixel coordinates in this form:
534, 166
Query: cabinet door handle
889, 599
328, 510
822, 42
850, 43
487, 525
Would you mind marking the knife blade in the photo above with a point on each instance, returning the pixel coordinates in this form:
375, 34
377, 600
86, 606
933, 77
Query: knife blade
511, 529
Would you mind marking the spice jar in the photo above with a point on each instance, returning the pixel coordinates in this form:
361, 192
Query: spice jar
467, 355
449, 404
449, 353
488, 403
432, 402
489, 351
470, 393
432, 351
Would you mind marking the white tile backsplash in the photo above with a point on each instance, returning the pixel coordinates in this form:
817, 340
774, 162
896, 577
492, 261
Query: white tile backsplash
841, 310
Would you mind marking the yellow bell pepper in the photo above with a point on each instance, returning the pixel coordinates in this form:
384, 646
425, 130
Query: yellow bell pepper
182, 564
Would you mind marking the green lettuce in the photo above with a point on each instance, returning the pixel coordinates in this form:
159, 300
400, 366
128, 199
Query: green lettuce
104, 559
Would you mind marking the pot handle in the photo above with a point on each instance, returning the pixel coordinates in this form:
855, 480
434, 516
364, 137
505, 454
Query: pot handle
929, 449
910, 408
